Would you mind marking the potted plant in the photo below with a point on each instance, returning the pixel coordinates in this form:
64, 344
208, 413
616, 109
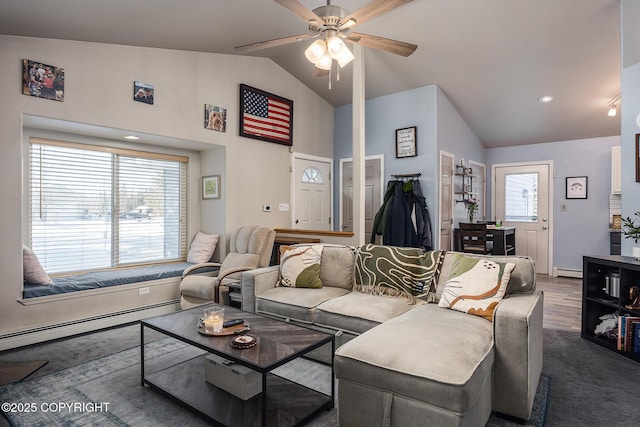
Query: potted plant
632, 231
472, 208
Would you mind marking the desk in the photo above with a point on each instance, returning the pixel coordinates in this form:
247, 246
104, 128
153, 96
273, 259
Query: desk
503, 238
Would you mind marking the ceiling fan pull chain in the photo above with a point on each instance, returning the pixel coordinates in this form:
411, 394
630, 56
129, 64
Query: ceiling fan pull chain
337, 74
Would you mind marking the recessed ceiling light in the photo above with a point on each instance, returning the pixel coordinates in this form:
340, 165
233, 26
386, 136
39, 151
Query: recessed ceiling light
132, 137
545, 98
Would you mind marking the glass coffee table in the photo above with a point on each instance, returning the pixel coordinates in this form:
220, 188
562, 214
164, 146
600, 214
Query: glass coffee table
281, 403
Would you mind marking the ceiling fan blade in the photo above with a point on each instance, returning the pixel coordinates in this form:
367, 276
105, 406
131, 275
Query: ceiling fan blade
371, 10
273, 43
381, 43
299, 9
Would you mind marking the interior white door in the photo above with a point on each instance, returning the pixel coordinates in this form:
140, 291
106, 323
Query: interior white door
521, 199
446, 200
312, 190
372, 194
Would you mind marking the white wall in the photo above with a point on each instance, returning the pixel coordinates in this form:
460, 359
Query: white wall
98, 91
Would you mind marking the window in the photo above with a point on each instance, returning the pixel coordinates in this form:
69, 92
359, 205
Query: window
312, 175
98, 207
521, 197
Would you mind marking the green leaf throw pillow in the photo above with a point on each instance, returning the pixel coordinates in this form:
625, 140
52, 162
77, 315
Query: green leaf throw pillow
396, 271
475, 285
300, 267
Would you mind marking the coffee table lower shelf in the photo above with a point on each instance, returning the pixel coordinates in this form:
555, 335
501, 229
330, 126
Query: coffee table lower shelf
288, 403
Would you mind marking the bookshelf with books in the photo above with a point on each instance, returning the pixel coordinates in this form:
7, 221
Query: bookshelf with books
611, 303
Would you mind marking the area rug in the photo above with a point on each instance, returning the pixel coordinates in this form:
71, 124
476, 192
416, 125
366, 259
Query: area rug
107, 392
14, 371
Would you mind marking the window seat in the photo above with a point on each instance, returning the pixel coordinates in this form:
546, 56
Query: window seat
103, 279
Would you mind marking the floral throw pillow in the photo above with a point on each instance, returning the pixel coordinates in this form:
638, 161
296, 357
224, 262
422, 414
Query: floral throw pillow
475, 285
300, 267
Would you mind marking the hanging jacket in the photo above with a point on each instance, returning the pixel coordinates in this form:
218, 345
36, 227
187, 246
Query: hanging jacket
422, 218
379, 220
399, 230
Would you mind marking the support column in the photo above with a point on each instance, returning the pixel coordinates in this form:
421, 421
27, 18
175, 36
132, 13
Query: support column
358, 143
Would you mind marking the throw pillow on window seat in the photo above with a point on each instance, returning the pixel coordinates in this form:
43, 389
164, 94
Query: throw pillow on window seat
475, 285
202, 248
300, 267
32, 269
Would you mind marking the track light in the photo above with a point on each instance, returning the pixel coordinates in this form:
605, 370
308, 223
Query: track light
613, 106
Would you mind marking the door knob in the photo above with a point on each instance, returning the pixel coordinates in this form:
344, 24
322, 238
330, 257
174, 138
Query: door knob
544, 219
297, 221
544, 227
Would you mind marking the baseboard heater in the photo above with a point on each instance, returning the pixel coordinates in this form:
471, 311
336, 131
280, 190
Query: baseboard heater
567, 272
59, 330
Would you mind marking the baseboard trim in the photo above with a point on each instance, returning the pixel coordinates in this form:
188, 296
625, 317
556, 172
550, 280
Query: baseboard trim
61, 330
567, 272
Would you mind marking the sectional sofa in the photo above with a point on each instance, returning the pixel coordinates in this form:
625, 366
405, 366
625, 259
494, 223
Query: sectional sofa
410, 352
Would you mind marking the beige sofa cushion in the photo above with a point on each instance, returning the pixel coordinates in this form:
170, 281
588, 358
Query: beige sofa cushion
442, 357
357, 312
336, 267
295, 303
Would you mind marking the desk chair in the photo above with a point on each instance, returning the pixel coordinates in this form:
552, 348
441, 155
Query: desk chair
475, 239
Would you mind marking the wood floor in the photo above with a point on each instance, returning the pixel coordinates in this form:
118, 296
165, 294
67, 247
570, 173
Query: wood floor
562, 302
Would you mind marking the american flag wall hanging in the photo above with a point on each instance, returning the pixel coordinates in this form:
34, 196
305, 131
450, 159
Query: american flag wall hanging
265, 116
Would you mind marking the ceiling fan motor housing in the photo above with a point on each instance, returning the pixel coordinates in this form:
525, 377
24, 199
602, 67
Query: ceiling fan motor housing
330, 14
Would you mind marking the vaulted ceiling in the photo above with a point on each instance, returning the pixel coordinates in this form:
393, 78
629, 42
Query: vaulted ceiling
492, 58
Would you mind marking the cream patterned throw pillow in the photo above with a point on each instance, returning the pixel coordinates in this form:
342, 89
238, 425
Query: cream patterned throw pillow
475, 285
300, 267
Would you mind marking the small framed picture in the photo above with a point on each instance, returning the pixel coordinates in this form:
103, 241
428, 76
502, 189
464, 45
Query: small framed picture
576, 187
42, 80
211, 187
406, 142
143, 92
215, 118
638, 153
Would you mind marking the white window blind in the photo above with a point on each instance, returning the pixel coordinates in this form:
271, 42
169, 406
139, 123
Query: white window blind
97, 207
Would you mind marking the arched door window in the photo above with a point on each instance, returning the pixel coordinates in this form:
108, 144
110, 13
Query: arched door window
312, 175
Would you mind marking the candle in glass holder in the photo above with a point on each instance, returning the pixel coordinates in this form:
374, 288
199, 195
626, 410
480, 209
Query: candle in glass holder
213, 319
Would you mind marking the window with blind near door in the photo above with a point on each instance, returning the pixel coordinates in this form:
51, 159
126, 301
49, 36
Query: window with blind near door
96, 207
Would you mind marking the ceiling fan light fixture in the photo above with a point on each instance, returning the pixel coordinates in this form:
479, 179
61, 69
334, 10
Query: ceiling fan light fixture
316, 51
613, 110
324, 63
344, 57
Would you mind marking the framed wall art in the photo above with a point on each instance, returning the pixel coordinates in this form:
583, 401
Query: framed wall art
576, 187
265, 116
407, 142
211, 187
42, 80
143, 92
638, 156
215, 118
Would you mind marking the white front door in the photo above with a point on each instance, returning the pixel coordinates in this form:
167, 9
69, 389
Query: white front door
522, 199
312, 192
446, 200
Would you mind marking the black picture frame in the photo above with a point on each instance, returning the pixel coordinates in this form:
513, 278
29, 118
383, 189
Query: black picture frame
576, 187
407, 142
265, 116
638, 157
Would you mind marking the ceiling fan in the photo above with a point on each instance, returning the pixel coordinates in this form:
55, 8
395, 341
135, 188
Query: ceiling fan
331, 25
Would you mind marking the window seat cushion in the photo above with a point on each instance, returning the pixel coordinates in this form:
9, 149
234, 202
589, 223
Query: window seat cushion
103, 279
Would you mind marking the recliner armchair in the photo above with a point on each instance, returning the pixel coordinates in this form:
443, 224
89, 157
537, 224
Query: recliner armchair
250, 247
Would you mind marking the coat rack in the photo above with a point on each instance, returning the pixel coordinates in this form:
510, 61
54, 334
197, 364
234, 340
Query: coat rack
407, 175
